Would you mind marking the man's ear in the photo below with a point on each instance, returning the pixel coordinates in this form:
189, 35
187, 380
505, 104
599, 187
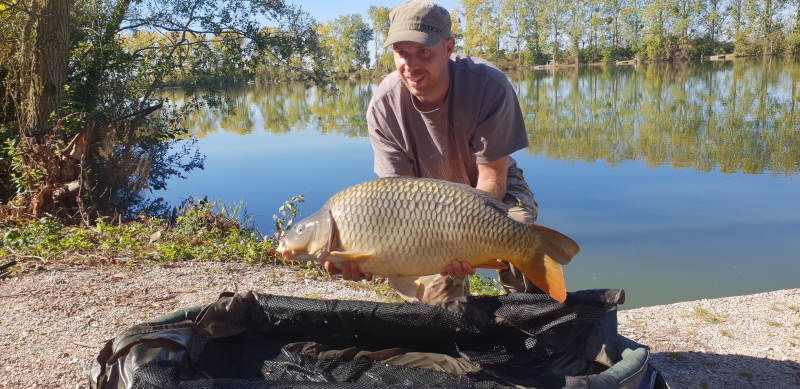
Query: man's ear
450, 44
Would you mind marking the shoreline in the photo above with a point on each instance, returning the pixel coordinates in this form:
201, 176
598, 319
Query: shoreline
56, 319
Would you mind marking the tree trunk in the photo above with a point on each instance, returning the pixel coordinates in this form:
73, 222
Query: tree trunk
44, 65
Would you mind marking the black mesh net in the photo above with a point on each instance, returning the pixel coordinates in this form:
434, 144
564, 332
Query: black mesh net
266, 341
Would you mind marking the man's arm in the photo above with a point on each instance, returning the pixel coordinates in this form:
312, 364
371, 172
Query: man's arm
492, 177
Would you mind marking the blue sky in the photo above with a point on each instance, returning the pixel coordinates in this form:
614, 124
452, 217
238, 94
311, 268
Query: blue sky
324, 10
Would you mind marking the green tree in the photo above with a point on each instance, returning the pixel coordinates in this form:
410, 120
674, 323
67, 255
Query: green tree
379, 15
347, 37
551, 18
517, 16
576, 27
656, 36
98, 70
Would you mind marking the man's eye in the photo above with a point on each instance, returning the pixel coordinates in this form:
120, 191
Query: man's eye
423, 51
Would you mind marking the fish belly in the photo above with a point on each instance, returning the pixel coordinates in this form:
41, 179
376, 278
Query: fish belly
416, 227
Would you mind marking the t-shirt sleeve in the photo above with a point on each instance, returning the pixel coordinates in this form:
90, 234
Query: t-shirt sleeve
390, 158
501, 126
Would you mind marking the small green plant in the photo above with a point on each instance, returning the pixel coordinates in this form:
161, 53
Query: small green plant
794, 308
274, 278
288, 212
746, 374
774, 323
485, 286
313, 270
725, 333
25, 176
797, 324
385, 292
703, 385
315, 296
706, 316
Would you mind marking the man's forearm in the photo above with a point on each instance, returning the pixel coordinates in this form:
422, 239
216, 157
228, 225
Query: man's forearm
492, 177
494, 187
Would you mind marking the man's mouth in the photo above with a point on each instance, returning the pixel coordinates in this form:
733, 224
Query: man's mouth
414, 81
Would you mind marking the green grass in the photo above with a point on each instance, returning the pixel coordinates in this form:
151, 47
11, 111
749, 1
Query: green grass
774, 323
794, 308
707, 316
725, 333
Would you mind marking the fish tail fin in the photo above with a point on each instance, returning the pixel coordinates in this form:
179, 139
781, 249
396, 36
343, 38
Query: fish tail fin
544, 266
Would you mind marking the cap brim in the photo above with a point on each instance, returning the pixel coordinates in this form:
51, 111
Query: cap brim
412, 36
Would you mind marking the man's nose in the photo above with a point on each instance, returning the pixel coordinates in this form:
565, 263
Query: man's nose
411, 62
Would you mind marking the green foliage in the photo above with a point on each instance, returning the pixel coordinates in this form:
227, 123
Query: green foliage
346, 38
313, 270
385, 64
485, 286
26, 175
202, 231
773, 323
288, 212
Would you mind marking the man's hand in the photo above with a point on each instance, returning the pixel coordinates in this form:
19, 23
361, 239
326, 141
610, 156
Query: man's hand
349, 271
458, 269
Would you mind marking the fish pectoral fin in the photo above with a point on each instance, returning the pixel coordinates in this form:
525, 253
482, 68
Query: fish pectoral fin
493, 264
352, 255
405, 286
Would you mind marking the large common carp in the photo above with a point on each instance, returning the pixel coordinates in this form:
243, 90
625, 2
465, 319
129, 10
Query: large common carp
404, 228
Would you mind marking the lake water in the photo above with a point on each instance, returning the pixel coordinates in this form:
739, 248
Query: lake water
679, 182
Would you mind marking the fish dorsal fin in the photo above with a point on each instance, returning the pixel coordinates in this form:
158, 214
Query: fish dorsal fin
407, 287
352, 255
556, 245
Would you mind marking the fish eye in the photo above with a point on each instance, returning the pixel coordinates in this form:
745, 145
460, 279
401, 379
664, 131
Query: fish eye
300, 229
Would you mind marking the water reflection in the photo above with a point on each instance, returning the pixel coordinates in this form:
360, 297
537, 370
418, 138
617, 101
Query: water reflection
737, 116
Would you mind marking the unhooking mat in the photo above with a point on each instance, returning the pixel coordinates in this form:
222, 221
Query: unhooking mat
254, 340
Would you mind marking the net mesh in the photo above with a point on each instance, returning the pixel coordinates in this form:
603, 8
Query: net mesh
267, 341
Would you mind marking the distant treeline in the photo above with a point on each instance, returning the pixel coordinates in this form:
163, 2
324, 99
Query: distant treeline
525, 33
531, 32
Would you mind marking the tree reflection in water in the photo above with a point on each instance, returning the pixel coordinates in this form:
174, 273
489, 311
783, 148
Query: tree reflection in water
737, 116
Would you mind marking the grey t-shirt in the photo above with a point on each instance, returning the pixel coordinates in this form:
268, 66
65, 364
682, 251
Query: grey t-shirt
480, 122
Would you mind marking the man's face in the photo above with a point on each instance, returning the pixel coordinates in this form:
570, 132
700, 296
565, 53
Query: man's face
423, 69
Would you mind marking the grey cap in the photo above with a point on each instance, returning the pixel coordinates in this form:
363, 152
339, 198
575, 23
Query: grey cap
421, 21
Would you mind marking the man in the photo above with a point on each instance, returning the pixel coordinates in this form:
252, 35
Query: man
448, 117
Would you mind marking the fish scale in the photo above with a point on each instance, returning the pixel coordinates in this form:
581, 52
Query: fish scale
403, 228
479, 229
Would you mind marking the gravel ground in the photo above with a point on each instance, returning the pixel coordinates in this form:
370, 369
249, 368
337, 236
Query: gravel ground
54, 321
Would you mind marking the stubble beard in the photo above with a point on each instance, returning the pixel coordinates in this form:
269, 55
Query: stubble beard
425, 90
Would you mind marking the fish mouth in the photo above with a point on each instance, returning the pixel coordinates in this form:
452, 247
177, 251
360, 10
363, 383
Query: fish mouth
286, 252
